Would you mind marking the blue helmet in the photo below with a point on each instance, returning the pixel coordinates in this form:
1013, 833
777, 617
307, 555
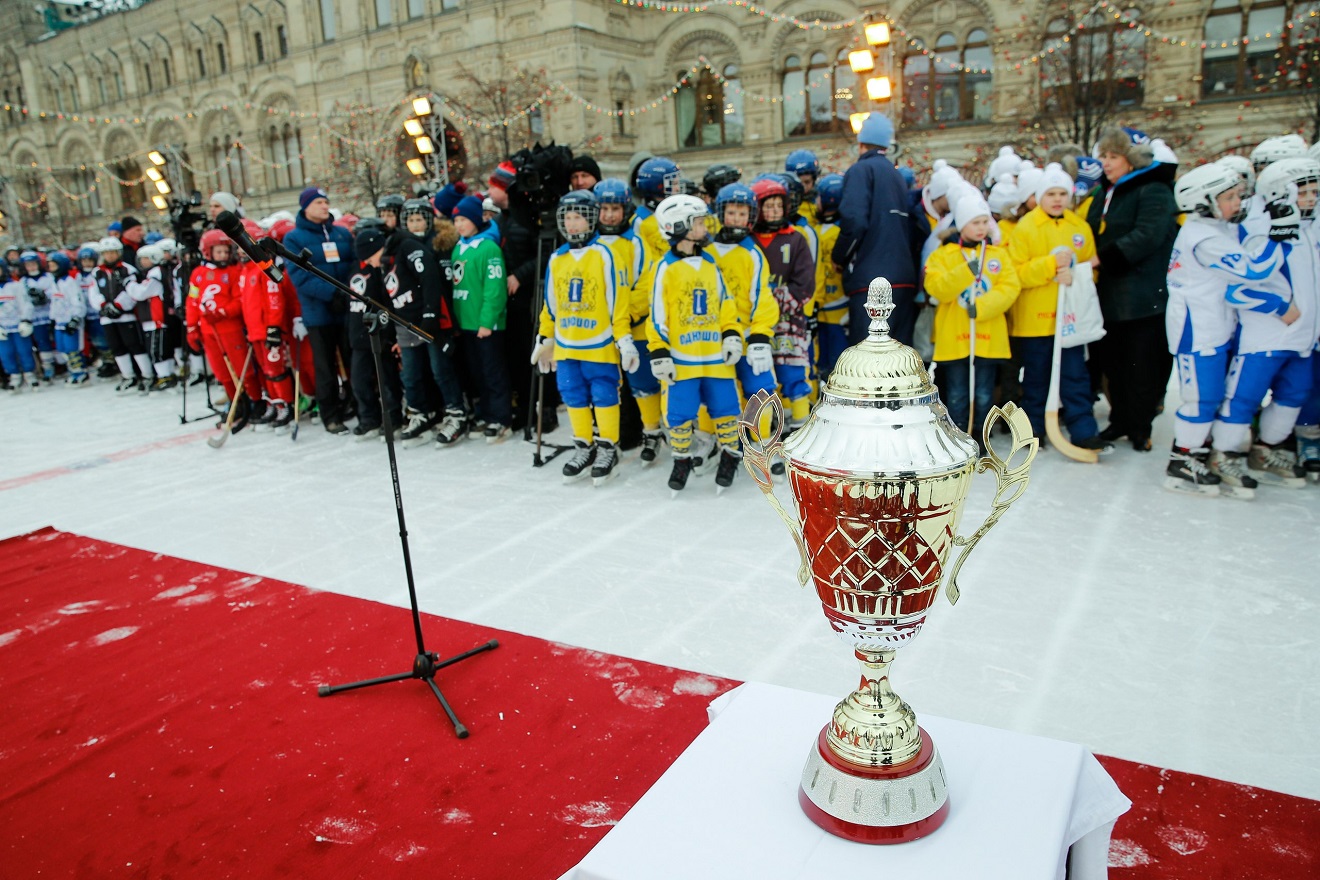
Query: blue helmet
612, 191
829, 191
88, 252
63, 265
29, 257
736, 194
657, 177
583, 203
152, 238
802, 162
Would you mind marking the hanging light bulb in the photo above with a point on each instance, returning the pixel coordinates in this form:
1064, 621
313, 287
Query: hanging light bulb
422, 106
425, 145
856, 120
413, 127
416, 166
160, 203
878, 34
861, 60
156, 158
163, 187
877, 88
154, 174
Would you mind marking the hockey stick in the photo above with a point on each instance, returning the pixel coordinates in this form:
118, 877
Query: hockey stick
217, 442
297, 384
971, 349
1052, 402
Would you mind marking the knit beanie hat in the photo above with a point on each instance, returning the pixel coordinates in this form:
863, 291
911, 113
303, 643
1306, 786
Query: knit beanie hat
1004, 198
448, 197
469, 207
969, 207
1028, 181
504, 175
227, 201
1053, 177
587, 164
369, 240
311, 194
1004, 167
877, 131
129, 223
940, 182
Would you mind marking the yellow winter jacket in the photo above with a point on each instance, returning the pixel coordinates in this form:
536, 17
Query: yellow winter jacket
584, 311
742, 265
1032, 251
947, 276
1006, 226
691, 311
809, 211
830, 298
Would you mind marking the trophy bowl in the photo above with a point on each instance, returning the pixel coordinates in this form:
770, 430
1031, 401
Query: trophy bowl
879, 476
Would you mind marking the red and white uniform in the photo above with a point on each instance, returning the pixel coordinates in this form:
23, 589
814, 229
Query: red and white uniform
214, 315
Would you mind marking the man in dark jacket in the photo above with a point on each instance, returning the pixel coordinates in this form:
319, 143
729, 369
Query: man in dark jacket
323, 307
1135, 221
878, 235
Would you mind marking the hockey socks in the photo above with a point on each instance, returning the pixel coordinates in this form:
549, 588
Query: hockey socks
649, 407
798, 410
680, 439
726, 432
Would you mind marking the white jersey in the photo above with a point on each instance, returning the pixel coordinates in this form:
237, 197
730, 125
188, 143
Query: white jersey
67, 302
1260, 310
87, 284
141, 292
14, 306
1208, 265
39, 287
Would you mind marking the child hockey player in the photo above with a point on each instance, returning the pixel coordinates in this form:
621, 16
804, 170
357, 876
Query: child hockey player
480, 302
793, 279
584, 337
68, 310
16, 311
616, 232
215, 323
39, 284
1278, 329
263, 315
747, 278
148, 294
974, 283
831, 300
694, 339
805, 168
116, 307
89, 257
1049, 244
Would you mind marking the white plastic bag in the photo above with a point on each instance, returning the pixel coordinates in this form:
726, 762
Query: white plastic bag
1080, 320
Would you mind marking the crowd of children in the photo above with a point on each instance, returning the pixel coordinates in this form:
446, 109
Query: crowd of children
690, 298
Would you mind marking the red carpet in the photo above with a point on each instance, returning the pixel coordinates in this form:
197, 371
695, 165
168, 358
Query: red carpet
160, 720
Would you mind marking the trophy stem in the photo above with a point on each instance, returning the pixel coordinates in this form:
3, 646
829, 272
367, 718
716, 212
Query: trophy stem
873, 726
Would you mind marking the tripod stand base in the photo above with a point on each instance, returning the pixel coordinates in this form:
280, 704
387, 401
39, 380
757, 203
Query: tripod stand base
424, 668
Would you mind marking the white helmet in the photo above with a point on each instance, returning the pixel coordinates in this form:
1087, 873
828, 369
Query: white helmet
152, 252
169, 246
1242, 165
1279, 180
108, 244
1285, 146
678, 214
1197, 191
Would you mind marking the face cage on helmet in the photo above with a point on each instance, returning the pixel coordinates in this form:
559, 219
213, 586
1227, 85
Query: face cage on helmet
590, 213
753, 210
615, 228
672, 185
1308, 213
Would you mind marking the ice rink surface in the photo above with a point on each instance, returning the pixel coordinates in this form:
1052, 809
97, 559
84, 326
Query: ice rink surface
1102, 610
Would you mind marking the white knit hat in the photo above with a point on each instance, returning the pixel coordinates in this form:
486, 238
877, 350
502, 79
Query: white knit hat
941, 181
1004, 167
1053, 177
227, 201
969, 207
1028, 181
1004, 198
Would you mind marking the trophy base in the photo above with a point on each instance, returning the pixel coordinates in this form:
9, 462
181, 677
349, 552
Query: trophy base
880, 805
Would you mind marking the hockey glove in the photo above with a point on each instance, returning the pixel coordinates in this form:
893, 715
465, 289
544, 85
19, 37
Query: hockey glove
110, 310
273, 337
25, 329
38, 296
629, 358
543, 355
194, 343
662, 366
732, 348
430, 325
299, 328
759, 358
1284, 220
72, 325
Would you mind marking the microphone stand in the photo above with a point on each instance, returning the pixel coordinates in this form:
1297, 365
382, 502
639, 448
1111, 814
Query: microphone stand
425, 663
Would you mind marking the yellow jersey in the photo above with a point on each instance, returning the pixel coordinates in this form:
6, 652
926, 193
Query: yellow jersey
742, 266
629, 260
691, 312
831, 301
947, 276
584, 310
1032, 247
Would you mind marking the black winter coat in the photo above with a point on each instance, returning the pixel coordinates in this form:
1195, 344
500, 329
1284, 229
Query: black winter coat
878, 236
1134, 239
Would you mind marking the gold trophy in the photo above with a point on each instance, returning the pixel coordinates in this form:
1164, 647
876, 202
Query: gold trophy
879, 474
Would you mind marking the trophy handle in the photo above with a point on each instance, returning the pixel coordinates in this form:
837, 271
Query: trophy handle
1012, 481
757, 456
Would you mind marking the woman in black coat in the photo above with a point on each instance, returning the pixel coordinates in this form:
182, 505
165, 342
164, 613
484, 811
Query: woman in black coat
1135, 221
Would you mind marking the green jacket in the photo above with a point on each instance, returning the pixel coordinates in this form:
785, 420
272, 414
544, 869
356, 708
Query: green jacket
480, 292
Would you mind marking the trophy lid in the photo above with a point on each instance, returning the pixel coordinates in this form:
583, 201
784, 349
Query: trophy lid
879, 412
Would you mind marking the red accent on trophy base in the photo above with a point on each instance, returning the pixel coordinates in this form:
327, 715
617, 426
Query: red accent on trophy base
881, 834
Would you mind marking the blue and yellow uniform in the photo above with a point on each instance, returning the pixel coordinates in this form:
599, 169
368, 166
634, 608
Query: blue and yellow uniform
629, 265
742, 265
831, 303
586, 314
691, 313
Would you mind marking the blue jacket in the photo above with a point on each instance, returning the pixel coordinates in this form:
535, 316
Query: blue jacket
315, 295
879, 235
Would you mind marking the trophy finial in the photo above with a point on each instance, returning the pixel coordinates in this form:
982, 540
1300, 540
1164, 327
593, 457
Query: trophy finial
879, 305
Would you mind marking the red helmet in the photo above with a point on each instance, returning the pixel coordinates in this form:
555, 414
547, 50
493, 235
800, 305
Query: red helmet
254, 229
347, 221
280, 228
767, 187
211, 238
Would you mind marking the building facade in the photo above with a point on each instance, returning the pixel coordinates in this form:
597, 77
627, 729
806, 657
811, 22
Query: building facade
263, 97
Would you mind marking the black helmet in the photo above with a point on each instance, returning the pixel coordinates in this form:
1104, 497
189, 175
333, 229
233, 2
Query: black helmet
719, 176
796, 193
392, 202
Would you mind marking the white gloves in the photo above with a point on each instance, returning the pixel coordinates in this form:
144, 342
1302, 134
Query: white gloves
25, 329
299, 328
663, 369
629, 358
732, 349
759, 358
543, 355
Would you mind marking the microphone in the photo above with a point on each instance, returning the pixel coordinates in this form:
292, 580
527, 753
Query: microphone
230, 225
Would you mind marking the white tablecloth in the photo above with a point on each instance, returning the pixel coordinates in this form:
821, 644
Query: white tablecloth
727, 808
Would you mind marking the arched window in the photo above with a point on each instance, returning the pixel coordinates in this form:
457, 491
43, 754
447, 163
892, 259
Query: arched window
1091, 67
846, 85
293, 150
279, 174
702, 108
201, 62
259, 43
147, 86
1285, 59
951, 82
819, 95
222, 57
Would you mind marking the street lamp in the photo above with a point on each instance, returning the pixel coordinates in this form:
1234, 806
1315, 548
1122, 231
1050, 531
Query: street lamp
427, 130
877, 59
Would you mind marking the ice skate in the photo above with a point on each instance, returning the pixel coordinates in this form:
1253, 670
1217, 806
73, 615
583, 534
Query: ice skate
260, 415
365, 432
727, 470
496, 433
1275, 466
14, 382
414, 433
678, 477
607, 463
651, 442
1188, 475
453, 428
577, 467
81, 380
127, 384
1308, 451
165, 383
703, 452
1231, 468
33, 384
282, 415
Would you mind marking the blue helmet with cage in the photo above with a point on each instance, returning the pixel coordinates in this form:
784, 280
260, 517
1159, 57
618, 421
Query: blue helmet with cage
658, 177
152, 238
583, 203
88, 252
612, 191
30, 257
829, 191
63, 265
802, 162
735, 194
